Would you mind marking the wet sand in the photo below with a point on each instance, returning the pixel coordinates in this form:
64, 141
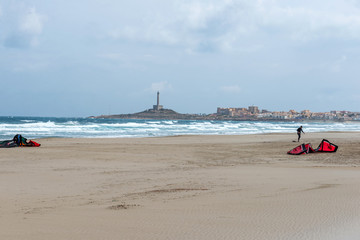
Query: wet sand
184, 187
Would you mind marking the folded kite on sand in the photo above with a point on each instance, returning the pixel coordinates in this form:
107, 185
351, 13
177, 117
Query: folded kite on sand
325, 146
302, 149
18, 141
7, 144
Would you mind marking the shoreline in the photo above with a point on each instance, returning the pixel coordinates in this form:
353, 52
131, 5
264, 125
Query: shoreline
181, 187
209, 135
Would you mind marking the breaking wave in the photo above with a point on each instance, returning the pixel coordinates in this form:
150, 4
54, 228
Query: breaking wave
40, 127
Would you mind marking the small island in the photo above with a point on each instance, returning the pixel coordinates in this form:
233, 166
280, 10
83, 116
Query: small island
252, 113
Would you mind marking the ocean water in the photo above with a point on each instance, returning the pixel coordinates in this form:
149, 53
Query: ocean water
43, 127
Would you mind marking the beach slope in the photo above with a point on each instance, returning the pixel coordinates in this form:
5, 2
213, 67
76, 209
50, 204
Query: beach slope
183, 187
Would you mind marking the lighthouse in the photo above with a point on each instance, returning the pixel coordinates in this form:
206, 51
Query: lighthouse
158, 98
158, 107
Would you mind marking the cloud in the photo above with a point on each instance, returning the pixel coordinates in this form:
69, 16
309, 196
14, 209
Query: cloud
160, 86
198, 15
231, 89
195, 25
32, 22
228, 25
155, 33
23, 28
308, 21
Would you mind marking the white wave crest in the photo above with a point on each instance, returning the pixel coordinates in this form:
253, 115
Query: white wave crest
145, 128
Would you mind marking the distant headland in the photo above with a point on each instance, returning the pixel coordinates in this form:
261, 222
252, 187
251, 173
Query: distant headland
158, 112
252, 113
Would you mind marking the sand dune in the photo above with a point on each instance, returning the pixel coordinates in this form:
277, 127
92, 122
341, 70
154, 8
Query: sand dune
184, 187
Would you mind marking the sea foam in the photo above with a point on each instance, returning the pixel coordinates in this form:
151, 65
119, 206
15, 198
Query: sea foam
41, 127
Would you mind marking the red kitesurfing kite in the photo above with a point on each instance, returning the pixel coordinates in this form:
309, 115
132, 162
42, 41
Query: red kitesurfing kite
325, 146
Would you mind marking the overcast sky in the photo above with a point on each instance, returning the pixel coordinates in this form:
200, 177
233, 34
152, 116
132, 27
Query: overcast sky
91, 57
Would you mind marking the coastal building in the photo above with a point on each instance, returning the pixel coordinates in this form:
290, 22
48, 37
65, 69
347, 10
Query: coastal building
253, 109
280, 115
158, 107
232, 112
252, 112
306, 113
264, 115
223, 111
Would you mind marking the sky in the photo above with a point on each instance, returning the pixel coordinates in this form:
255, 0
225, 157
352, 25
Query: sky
91, 57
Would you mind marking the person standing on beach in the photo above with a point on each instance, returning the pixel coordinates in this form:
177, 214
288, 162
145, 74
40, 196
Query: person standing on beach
299, 130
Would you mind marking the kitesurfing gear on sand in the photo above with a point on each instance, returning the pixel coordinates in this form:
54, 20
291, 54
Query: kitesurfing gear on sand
302, 149
19, 141
7, 144
325, 146
23, 142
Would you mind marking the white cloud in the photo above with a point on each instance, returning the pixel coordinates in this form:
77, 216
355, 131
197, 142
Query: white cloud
32, 22
188, 25
231, 89
160, 86
197, 14
229, 25
23, 26
156, 33
307, 22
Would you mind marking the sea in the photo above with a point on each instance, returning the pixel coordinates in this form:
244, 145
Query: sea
45, 127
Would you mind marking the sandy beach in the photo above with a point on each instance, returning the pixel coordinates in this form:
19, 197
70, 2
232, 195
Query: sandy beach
183, 187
